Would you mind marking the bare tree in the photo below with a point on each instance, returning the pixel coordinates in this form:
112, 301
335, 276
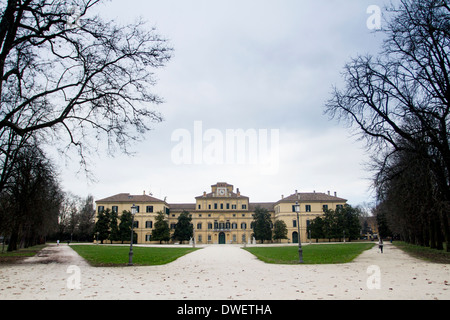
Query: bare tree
31, 204
71, 78
400, 100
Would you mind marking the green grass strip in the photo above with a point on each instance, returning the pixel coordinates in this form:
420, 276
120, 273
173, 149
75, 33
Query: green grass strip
110, 256
312, 254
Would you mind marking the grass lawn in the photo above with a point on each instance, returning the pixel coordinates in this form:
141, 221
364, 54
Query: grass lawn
312, 254
432, 255
117, 256
16, 256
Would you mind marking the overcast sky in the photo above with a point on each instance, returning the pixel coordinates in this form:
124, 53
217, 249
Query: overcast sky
251, 65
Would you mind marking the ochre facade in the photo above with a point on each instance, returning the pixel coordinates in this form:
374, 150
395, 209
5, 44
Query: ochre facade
223, 216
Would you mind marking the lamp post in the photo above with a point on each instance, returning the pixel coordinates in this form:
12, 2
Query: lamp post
130, 255
300, 250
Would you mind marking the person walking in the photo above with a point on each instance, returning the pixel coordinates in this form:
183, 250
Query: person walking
380, 245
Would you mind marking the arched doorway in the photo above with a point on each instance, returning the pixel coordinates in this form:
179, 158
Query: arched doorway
294, 237
222, 238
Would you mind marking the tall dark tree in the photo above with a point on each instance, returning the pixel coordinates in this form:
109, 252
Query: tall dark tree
280, 230
400, 100
114, 233
184, 230
262, 225
68, 76
102, 226
316, 227
126, 219
161, 230
30, 204
336, 223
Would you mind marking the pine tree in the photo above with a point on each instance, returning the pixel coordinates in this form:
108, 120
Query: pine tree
114, 233
262, 225
102, 225
183, 229
280, 230
125, 226
161, 232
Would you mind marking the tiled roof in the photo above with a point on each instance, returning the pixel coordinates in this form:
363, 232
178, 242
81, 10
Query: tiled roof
126, 197
301, 197
313, 196
264, 205
180, 207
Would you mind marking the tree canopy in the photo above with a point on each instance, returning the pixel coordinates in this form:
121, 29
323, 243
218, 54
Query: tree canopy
399, 101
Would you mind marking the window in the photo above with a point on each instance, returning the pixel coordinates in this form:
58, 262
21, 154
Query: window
149, 209
148, 237
136, 224
199, 226
308, 208
234, 225
200, 238
244, 207
294, 223
210, 226
149, 224
199, 206
233, 206
339, 206
221, 206
101, 209
209, 206
115, 209
243, 226
172, 226
293, 208
228, 206
137, 209
215, 205
325, 207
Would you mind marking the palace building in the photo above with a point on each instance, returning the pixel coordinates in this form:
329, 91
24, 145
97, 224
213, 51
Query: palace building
224, 215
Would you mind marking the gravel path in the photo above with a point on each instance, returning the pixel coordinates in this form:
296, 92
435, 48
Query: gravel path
226, 272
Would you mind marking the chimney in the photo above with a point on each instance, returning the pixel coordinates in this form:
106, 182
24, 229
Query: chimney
238, 192
335, 194
144, 192
204, 193
282, 196
328, 192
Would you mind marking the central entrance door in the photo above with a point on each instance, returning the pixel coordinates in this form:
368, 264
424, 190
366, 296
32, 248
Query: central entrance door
222, 238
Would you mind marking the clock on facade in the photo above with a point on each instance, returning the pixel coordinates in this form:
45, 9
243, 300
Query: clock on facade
221, 191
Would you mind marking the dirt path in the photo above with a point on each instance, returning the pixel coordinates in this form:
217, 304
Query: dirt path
226, 272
